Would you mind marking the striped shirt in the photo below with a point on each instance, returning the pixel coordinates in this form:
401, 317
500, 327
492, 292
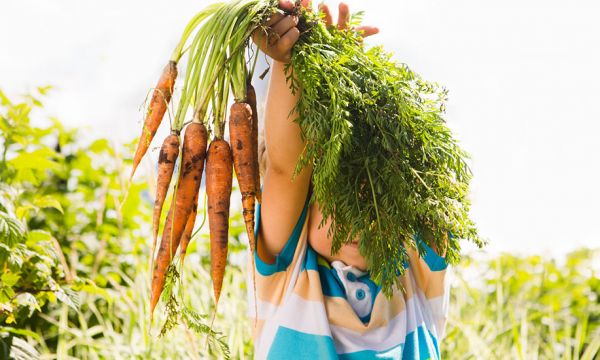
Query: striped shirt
310, 309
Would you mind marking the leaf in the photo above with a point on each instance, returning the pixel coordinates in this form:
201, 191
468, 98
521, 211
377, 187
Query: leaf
39, 235
10, 319
56, 124
26, 175
22, 350
49, 202
51, 297
28, 300
196, 322
69, 297
23, 332
40, 159
16, 258
5, 307
10, 279
23, 210
6, 202
3, 99
34, 100
12, 230
44, 89
19, 113
100, 146
88, 286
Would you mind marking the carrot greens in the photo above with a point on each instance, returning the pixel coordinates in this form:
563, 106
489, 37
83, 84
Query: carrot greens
386, 168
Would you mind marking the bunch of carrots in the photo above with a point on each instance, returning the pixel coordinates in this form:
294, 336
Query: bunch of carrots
385, 165
210, 76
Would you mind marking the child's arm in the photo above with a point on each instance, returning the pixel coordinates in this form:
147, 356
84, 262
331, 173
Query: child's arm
282, 198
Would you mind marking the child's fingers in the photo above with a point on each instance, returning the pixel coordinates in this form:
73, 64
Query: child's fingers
326, 14
285, 24
276, 17
343, 16
287, 5
259, 38
263, 37
279, 25
287, 41
365, 31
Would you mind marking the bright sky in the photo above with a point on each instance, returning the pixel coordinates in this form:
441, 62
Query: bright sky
523, 77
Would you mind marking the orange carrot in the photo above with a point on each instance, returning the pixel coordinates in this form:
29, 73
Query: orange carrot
240, 131
190, 175
187, 233
251, 99
219, 174
156, 110
245, 164
166, 164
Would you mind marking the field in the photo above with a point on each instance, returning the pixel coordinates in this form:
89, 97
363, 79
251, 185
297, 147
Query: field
74, 281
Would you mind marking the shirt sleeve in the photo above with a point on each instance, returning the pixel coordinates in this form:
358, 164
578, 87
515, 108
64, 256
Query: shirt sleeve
271, 281
428, 267
285, 257
432, 275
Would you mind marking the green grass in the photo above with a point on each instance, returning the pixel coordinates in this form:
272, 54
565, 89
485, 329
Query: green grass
525, 308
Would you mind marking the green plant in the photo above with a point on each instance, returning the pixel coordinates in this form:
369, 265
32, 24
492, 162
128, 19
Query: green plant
525, 307
35, 274
385, 164
75, 281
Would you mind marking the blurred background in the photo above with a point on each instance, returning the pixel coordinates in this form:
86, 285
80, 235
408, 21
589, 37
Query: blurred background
524, 87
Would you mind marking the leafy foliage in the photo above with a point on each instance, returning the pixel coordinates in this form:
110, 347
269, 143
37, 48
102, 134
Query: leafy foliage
386, 168
11, 229
74, 269
32, 262
526, 307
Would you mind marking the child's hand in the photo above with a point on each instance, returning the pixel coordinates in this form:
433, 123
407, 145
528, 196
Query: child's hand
277, 42
344, 18
282, 33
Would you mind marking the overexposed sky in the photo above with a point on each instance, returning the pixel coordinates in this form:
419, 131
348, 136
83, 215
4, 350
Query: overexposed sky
524, 81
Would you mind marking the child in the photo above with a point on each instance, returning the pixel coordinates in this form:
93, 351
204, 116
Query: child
313, 304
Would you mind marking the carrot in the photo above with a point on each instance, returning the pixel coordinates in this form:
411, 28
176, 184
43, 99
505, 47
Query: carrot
166, 164
240, 131
187, 233
251, 99
219, 174
156, 110
245, 165
190, 175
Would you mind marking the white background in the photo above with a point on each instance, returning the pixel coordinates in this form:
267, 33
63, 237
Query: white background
524, 81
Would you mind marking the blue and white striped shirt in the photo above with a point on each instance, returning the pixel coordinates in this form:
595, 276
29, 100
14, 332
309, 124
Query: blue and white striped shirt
310, 309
